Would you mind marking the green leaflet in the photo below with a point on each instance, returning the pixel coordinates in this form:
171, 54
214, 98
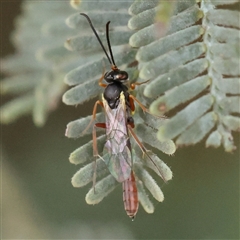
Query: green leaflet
221, 34
53, 54
82, 126
175, 77
143, 131
217, 2
153, 162
198, 130
143, 19
82, 93
85, 175
233, 123
16, 108
168, 43
47, 93
174, 97
88, 71
232, 104
149, 182
144, 199
85, 152
77, 21
19, 84
214, 139
173, 59
89, 42
142, 5
101, 5
224, 17
101, 190
184, 19
182, 120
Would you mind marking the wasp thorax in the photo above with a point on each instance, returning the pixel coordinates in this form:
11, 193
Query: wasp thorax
112, 94
115, 75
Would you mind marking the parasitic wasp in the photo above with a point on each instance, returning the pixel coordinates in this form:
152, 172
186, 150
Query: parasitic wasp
118, 105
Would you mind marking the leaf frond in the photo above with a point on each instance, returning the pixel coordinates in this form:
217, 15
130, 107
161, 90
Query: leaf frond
193, 69
40, 63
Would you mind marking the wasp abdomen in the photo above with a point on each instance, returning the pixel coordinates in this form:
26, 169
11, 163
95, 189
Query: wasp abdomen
130, 196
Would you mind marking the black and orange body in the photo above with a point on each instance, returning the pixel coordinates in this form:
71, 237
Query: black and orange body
118, 105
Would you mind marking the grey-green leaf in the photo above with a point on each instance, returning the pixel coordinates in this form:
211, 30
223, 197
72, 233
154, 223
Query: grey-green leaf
101, 190
175, 77
171, 60
143, 131
16, 108
82, 126
149, 183
86, 173
198, 130
144, 199
214, 139
180, 94
81, 93
168, 43
185, 118
85, 152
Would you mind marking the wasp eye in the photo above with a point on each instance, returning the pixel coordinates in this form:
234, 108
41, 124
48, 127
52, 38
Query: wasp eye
122, 75
109, 76
115, 75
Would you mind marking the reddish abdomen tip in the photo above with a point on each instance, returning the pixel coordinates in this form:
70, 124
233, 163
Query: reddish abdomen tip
130, 196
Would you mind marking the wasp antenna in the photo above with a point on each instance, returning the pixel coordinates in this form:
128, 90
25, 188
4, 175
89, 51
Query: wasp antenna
109, 44
98, 38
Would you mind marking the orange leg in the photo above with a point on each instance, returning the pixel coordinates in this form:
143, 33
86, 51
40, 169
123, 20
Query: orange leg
133, 85
101, 79
95, 150
93, 115
145, 151
131, 102
132, 99
95, 108
94, 136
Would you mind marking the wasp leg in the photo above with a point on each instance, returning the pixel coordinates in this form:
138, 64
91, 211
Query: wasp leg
131, 102
94, 135
100, 81
93, 115
133, 85
145, 151
132, 99
95, 151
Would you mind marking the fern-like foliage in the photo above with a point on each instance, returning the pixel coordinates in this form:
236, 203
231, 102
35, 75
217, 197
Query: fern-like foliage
35, 73
84, 80
194, 69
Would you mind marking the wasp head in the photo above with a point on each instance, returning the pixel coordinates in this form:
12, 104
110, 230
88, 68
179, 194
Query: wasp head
116, 75
112, 94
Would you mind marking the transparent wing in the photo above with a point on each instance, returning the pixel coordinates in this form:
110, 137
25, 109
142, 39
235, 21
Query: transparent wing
119, 158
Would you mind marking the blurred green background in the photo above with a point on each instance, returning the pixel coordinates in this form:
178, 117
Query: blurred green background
39, 202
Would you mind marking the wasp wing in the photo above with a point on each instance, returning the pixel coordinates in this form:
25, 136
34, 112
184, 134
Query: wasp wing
117, 147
